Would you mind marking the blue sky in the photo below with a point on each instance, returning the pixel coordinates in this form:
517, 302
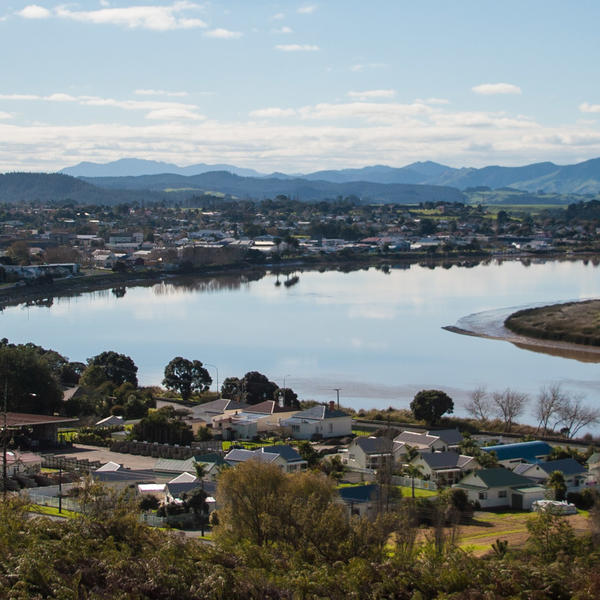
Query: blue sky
298, 86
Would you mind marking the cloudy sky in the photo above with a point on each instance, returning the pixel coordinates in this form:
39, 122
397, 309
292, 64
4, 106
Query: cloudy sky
298, 86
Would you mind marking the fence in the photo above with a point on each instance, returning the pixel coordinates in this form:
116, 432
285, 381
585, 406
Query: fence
157, 450
420, 484
52, 501
51, 461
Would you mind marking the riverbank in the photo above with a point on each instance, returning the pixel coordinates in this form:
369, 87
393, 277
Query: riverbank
43, 294
491, 325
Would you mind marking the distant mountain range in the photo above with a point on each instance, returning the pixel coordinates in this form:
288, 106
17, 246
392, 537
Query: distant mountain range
581, 178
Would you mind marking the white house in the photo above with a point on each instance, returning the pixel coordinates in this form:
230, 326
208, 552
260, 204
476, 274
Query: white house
282, 455
371, 452
320, 421
445, 468
574, 473
431, 441
500, 487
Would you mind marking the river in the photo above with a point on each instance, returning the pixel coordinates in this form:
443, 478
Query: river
378, 336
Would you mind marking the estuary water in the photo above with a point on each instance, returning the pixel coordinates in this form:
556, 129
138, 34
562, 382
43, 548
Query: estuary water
376, 335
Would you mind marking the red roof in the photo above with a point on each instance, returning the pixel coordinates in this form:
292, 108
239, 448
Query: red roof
25, 419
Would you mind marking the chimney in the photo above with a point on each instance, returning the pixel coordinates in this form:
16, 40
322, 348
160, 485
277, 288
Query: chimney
331, 405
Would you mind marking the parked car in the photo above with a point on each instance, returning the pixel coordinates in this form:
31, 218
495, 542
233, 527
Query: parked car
555, 506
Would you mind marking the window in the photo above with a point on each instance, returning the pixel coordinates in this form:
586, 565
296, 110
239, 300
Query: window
483, 495
295, 427
502, 494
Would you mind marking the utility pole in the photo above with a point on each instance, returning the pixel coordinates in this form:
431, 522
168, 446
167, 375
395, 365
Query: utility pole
4, 441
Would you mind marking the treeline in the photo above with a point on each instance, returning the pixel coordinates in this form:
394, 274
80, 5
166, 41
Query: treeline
286, 537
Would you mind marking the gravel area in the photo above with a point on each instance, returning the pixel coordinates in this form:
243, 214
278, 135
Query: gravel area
104, 455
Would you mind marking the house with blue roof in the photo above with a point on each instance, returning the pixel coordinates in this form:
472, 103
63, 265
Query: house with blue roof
575, 474
360, 500
282, 455
521, 452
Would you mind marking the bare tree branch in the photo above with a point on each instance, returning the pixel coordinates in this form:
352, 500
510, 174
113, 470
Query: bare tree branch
479, 405
509, 405
549, 403
574, 415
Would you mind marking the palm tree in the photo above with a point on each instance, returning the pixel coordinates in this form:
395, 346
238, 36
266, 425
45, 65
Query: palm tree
413, 472
200, 472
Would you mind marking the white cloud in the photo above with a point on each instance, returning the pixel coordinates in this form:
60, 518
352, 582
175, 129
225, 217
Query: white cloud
157, 18
5, 115
33, 11
160, 93
278, 17
272, 113
223, 34
589, 108
368, 94
297, 47
307, 9
174, 114
283, 30
488, 89
434, 101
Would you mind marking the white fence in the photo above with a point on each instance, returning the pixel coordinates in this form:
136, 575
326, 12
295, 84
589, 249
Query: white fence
52, 501
420, 484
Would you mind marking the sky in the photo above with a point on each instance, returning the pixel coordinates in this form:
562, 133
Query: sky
298, 86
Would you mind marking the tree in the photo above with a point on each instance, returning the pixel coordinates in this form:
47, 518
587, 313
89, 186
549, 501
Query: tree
556, 485
479, 405
196, 501
509, 405
117, 368
232, 388
290, 398
186, 376
549, 405
430, 405
28, 380
413, 472
163, 426
574, 415
257, 388
19, 253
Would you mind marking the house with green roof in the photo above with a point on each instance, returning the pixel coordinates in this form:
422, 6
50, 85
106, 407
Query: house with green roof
499, 487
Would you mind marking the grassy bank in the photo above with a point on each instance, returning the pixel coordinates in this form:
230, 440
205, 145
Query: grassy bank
575, 322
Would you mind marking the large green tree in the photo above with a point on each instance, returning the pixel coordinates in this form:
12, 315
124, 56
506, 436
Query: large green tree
117, 368
28, 381
163, 426
186, 376
430, 405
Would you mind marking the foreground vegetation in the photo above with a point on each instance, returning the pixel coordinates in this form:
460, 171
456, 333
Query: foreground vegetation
280, 536
576, 322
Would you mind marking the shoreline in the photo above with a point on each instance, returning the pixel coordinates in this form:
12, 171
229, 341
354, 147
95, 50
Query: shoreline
74, 286
490, 325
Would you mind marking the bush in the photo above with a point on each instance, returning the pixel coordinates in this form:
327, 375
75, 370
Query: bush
583, 500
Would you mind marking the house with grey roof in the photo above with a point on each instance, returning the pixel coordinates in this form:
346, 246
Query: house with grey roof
282, 455
444, 468
574, 473
371, 452
321, 421
498, 487
423, 442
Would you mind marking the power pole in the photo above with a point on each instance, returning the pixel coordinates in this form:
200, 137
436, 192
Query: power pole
337, 390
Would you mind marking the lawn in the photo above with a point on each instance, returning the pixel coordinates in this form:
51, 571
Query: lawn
50, 510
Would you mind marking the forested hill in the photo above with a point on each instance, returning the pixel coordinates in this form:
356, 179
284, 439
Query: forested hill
54, 187
259, 188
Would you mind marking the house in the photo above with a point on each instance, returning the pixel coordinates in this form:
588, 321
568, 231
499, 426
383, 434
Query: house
574, 473
496, 487
445, 468
117, 476
361, 500
111, 421
19, 462
320, 421
284, 456
594, 469
371, 452
511, 454
424, 442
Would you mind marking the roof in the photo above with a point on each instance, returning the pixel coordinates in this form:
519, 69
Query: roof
178, 489
520, 468
452, 437
445, 460
124, 475
150, 487
285, 451
14, 419
374, 445
594, 458
212, 458
240, 455
184, 478
219, 406
109, 466
318, 413
171, 465
112, 420
500, 477
359, 493
529, 451
567, 466
413, 438
268, 407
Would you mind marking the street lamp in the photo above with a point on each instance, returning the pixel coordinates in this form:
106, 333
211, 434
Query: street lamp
217, 370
